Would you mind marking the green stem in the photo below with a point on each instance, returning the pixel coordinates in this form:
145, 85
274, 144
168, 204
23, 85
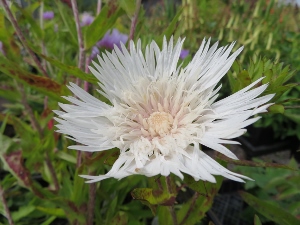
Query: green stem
171, 208
134, 21
192, 205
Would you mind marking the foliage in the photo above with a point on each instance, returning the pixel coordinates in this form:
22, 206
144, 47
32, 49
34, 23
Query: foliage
276, 189
276, 76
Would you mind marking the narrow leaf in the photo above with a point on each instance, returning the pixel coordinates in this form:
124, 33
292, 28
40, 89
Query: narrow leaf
270, 211
42, 84
256, 220
71, 70
102, 23
171, 28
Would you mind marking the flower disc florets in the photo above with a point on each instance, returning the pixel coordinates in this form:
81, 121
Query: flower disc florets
160, 114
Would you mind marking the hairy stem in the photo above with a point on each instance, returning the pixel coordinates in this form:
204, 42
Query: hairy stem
42, 41
6, 209
87, 63
192, 205
99, 3
81, 56
91, 203
134, 21
79, 35
52, 172
171, 208
22, 38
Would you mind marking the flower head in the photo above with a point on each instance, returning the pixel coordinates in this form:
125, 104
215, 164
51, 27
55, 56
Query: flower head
160, 114
86, 19
112, 38
49, 15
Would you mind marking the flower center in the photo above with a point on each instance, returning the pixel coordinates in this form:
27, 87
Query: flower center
160, 124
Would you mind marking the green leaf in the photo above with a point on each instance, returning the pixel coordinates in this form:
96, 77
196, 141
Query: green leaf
288, 193
52, 211
22, 212
256, 220
49, 220
270, 211
171, 28
112, 209
202, 199
80, 188
5, 143
164, 216
102, 23
68, 20
120, 219
10, 95
128, 6
27, 14
154, 197
110, 160
66, 156
71, 70
243, 79
43, 84
276, 108
3, 30
294, 117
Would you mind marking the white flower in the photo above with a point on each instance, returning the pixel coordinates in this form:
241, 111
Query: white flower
160, 113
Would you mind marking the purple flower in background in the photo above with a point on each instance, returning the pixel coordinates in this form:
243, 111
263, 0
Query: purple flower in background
48, 15
184, 53
86, 19
112, 38
95, 52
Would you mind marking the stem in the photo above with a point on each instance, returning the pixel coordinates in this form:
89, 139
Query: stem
79, 35
91, 203
195, 197
52, 172
22, 38
159, 183
7, 212
81, 56
292, 107
171, 208
87, 63
99, 3
78, 162
134, 21
42, 28
173, 215
214, 217
36, 126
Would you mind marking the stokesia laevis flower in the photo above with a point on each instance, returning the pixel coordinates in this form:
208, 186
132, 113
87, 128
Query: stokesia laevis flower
160, 113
